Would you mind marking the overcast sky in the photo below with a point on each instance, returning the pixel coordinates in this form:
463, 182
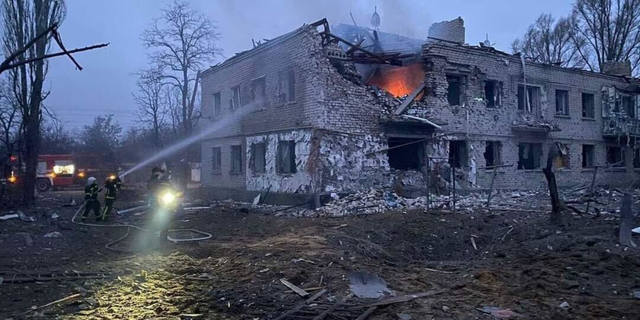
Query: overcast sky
107, 82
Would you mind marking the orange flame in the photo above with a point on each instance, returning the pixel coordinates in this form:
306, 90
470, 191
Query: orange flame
398, 81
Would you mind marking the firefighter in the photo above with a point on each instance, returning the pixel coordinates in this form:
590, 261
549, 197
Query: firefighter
153, 185
113, 184
91, 199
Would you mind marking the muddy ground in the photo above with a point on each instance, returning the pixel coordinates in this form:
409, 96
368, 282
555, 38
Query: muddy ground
521, 263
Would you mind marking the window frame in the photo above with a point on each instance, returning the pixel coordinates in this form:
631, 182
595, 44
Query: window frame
217, 104
236, 150
254, 157
562, 95
235, 105
534, 105
460, 82
591, 153
216, 158
593, 105
254, 82
497, 94
291, 145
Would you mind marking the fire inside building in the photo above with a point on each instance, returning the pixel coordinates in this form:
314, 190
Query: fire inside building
346, 109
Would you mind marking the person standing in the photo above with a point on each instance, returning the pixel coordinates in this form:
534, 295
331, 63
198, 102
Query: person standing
113, 184
91, 199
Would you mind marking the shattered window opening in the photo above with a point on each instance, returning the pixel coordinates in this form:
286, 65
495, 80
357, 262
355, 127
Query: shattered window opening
258, 93
561, 159
287, 156
258, 157
529, 155
286, 86
236, 159
531, 102
629, 106
454, 90
407, 157
235, 99
217, 104
216, 159
615, 157
492, 93
458, 153
492, 153
588, 106
562, 102
587, 155
636, 158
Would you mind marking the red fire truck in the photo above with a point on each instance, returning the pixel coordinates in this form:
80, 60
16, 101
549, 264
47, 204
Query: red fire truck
61, 171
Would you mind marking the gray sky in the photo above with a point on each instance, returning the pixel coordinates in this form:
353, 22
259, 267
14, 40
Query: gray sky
107, 82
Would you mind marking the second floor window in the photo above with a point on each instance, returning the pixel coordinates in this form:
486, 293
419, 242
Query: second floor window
529, 102
286, 86
235, 98
562, 102
217, 105
588, 106
258, 92
454, 90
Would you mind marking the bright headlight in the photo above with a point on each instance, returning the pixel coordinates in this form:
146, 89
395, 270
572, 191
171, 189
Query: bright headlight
168, 198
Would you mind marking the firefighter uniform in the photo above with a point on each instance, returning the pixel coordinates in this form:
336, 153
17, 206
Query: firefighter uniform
91, 198
112, 185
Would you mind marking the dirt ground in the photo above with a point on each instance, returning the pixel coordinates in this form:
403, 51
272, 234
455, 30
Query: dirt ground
521, 263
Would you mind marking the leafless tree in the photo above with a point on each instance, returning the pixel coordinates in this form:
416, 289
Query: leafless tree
549, 41
610, 30
56, 139
183, 42
24, 20
10, 120
151, 100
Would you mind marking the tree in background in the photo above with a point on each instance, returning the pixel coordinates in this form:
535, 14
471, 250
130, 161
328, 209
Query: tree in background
23, 20
56, 139
549, 40
183, 42
101, 137
610, 31
151, 99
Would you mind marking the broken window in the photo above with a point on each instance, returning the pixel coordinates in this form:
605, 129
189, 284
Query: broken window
529, 155
492, 153
588, 106
454, 90
405, 154
529, 102
286, 86
236, 159
587, 156
216, 159
636, 158
457, 153
562, 102
492, 93
258, 155
615, 157
561, 159
217, 105
287, 156
258, 93
235, 98
629, 106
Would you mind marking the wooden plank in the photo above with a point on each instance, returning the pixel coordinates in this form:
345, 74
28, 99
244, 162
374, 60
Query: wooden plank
410, 99
71, 297
367, 313
333, 307
405, 298
295, 288
302, 304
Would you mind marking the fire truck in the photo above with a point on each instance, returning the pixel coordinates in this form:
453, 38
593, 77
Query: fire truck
60, 171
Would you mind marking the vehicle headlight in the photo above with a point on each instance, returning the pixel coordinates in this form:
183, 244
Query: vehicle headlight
168, 198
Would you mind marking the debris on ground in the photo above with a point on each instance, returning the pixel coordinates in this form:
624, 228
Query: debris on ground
499, 313
54, 234
369, 286
9, 216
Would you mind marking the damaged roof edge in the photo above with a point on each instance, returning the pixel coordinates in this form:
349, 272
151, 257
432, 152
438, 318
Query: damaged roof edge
516, 58
269, 44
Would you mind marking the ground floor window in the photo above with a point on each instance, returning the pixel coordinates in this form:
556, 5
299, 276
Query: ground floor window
216, 159
405, 154
492, 156
529, 155
287, 156
236, 159
615, 157
458, 153
587, 156
258, 154
561, 160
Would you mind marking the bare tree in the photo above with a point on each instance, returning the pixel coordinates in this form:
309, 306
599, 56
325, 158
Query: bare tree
151, 100
549, 41
183, 42
9, 121
610, 29
25, 20
56, 139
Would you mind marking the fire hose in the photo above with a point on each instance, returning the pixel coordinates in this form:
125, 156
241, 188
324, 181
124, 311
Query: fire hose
109, 245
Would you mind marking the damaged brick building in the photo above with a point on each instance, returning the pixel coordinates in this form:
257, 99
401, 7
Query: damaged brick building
313, 111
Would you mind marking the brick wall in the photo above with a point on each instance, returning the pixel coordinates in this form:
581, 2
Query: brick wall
448, 30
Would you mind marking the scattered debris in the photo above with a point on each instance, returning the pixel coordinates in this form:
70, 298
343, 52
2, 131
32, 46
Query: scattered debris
295, 288
564, 305
636, 292
405, 298
9, 216
499, 313
25, 218
34, 308
366, 285
404, 316
54, 234
445, 309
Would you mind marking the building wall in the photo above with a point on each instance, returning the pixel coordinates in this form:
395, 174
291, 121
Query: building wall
224, 177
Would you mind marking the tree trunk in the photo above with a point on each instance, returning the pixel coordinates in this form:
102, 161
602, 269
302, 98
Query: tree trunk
626, 220
556, 203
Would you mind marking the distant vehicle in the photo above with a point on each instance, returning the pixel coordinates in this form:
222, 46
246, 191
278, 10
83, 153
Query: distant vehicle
60, 171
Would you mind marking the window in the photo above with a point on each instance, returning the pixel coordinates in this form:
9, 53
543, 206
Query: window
258, 154
636, 158
492, 153
529, 155
492, 93
629, 106
453, 90
217, 105
258, 93
235, 99
406, 157
588, 106
562, 102
287, 156
530, 102
561, 159
457, 153
216, 159
587, 156
286, 86
236, 159
42, 167
64, 167
615, 157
